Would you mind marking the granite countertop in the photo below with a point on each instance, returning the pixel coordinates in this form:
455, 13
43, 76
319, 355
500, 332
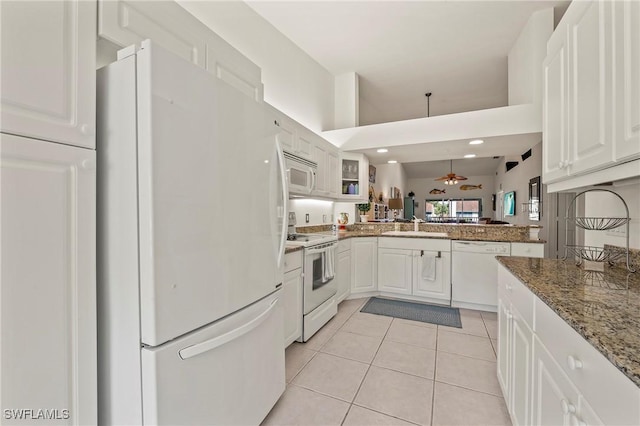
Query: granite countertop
377, 232
342, 235
603, 307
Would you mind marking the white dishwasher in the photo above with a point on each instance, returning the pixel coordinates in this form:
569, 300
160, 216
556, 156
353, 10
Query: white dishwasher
474, 277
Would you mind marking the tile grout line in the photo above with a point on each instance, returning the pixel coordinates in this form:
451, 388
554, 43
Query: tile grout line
367, 372
386, 414
316, 351
390, 369
435, 372
472, 390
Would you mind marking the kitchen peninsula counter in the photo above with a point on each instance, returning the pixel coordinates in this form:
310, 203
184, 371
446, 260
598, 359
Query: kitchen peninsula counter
468, 232
603, 307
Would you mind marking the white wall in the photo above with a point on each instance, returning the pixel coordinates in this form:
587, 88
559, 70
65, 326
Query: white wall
349, 208
422, 186
388, 175
598, 204
526, 56
517, 179
347, 90
319, 211
293, 82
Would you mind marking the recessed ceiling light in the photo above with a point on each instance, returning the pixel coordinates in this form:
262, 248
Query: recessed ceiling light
469, 156
392, 161
381, 150
476, 142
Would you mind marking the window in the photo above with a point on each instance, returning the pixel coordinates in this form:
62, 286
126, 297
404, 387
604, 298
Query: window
453, 210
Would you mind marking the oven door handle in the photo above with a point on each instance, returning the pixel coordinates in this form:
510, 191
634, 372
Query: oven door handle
318, 250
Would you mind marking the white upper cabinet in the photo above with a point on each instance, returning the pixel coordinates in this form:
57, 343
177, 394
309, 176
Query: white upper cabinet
554, 109
627, 76
333, 184
172, 27
129, 22
293, 137
48, 70
326, 156
591, 95
233, 68
320, 157
354, 177
590, 87
48, 285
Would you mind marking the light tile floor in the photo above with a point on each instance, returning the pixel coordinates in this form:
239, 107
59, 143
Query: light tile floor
363, 369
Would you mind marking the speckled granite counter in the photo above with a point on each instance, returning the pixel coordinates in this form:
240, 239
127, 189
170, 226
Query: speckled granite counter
602, 307
291, 249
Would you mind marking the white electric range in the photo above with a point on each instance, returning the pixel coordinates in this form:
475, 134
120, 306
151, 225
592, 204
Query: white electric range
319, 287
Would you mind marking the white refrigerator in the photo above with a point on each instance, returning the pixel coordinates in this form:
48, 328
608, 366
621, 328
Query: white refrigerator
192, 198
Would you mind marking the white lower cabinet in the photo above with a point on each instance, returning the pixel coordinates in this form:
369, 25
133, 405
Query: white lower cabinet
343, 270
555, 399
395, 270
48, 285
514, 346
292, 297
364, 262
527, 249
549, 374
402, 269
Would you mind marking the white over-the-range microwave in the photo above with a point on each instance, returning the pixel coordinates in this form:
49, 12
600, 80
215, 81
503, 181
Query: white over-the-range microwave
301, 174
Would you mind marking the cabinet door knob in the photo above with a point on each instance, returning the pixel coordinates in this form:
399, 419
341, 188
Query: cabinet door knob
574, 364
88, 164
86, 129
508, 287
567, 407
575, 421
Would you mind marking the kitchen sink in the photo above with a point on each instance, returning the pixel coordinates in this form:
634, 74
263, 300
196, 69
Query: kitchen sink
416, 234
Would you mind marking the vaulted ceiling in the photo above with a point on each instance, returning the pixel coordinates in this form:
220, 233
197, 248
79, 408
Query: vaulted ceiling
457, 50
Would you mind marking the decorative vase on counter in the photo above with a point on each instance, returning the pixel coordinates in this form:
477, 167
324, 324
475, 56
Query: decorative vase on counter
343, 219
364, 218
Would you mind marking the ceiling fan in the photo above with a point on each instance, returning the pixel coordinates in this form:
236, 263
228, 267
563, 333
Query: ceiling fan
451, 178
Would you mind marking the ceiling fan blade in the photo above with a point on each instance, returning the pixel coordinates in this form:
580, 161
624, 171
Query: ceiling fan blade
442, 178
461, 178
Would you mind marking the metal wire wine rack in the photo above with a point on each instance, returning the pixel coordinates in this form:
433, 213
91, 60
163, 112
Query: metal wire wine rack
597, 254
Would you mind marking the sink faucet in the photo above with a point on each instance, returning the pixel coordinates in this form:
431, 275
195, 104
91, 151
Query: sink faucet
416, 224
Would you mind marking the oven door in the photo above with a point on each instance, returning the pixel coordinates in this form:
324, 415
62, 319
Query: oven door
319, 281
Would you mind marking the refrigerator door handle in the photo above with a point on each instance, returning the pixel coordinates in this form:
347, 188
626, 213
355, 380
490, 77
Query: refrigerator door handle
285, 203
208, 345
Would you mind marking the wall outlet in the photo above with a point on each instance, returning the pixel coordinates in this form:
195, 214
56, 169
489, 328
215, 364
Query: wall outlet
620, 231
324, 218
306, 218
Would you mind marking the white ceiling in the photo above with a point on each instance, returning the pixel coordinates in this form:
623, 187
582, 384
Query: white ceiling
402, 49
414, 155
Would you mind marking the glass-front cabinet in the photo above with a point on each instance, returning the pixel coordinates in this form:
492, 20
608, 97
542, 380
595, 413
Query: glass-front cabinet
354, 177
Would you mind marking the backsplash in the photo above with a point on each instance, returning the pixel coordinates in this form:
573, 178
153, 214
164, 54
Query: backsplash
621, 262
457, 232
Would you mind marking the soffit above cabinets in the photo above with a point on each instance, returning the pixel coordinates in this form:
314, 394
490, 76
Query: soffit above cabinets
506, 131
